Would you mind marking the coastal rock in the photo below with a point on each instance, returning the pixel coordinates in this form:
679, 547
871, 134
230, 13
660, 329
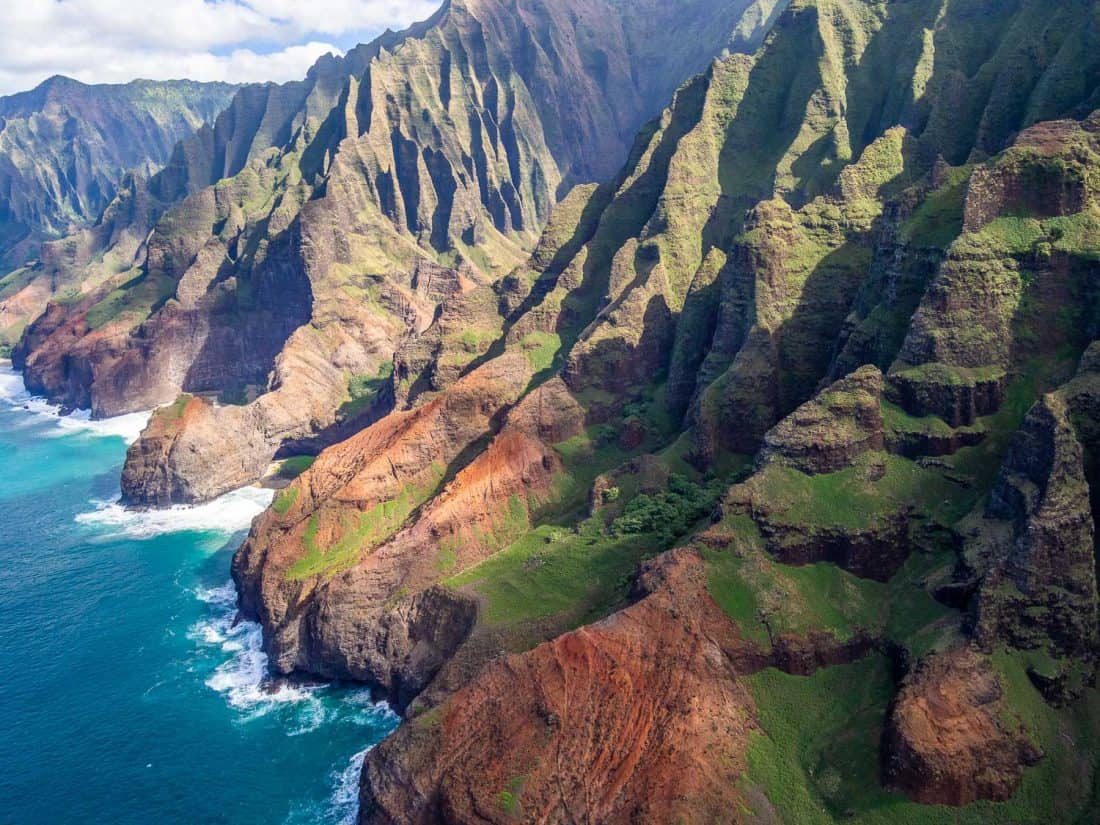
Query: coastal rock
325, 574
302, 413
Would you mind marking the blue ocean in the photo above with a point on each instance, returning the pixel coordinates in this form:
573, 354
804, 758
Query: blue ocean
127, 693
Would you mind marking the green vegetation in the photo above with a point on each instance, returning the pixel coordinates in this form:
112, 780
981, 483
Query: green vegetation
1021, 235
293, 467
951, 376
855, 498
767, 599
363, 391
669, 513
285, 500
132, 302
938, 221
359, 533
430, 718
10, 337
15, 281
540, 348
581, 573
898, 420
819, 754
509, 797
476, 340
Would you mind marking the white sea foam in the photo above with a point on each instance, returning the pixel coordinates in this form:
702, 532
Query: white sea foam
344, 803
244, 680
361, 709
127, 427
11, 386
231, 513
243, 677
14, 394
224, 596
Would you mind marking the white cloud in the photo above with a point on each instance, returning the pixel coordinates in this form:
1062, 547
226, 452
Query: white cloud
111, 41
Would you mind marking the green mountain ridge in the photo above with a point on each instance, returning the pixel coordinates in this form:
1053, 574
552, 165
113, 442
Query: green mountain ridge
819, 304
756, 482
65, 148
282, 255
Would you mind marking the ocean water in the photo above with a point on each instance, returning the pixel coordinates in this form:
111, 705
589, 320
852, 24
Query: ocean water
127, 694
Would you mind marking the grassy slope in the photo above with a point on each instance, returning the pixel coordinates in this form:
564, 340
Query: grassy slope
818, 758
787, 124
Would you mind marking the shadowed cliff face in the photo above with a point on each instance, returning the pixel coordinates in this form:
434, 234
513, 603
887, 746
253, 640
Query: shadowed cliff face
66, 151
441, 149
65, 147
802, 331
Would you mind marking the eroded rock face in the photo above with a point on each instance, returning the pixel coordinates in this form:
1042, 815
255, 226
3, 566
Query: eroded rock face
339, 573
841, 428
146, 478
1031, 180
874, 552
639, 717
1041, 589
966, 333
946, 742
830, 432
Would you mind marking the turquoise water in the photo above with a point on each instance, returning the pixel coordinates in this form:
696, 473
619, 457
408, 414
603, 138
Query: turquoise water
126, 693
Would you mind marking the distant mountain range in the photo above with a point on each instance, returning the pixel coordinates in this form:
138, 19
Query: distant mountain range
65, 147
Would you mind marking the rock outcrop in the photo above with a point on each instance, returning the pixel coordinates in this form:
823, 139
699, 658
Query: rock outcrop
946, 740
638, 717
830, 432
966, 333
1040, 589
324, 573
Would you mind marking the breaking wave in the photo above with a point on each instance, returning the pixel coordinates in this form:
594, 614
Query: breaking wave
229, 514
14, 394
343, 806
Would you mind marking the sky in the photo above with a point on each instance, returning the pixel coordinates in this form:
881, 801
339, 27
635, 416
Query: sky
113, 41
